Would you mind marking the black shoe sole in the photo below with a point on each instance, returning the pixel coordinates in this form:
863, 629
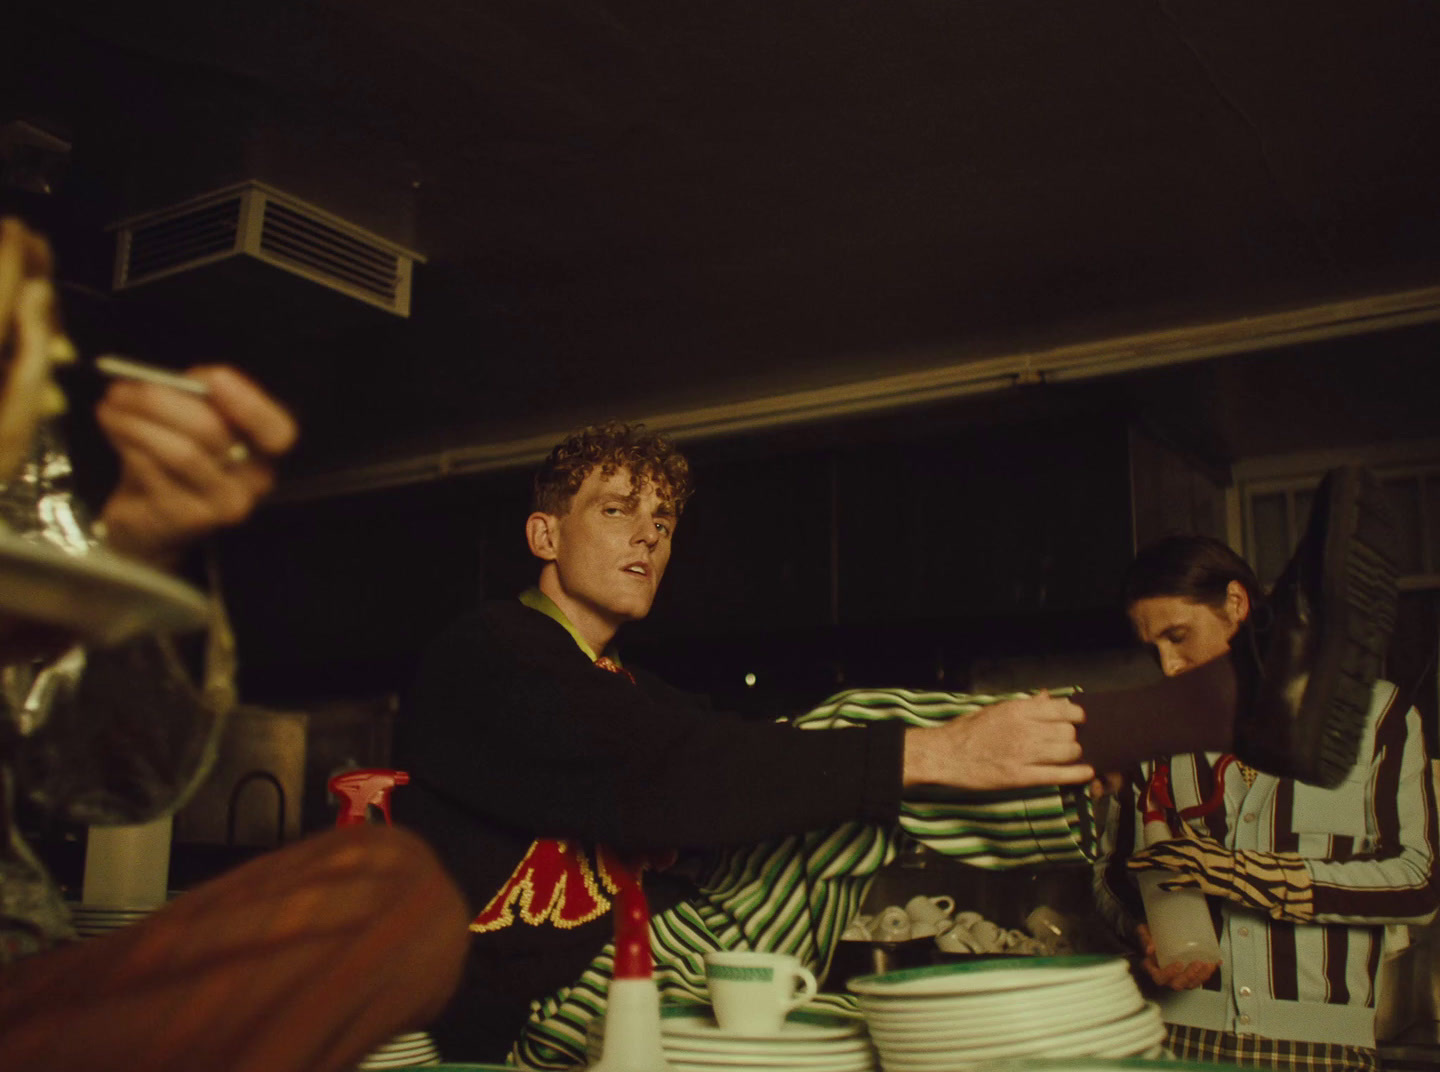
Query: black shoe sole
1359, 572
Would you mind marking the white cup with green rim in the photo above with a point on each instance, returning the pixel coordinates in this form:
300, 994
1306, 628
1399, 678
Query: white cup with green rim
752, 993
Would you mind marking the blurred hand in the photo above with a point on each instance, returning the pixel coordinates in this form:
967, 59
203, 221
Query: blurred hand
1014, 744
30, 341
188, 465
1106, 785
1176, 976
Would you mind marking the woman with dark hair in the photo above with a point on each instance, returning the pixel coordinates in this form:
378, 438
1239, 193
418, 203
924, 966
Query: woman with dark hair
1300, 880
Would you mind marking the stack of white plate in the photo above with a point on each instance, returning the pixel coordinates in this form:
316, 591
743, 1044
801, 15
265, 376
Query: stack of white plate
91, 921
403, 1051
808, 1041
1101, 1064
953, 1016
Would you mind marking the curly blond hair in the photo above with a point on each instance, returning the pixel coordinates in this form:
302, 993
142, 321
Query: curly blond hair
650, 456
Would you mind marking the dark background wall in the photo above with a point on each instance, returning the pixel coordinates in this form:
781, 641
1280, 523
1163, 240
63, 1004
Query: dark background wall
891, 554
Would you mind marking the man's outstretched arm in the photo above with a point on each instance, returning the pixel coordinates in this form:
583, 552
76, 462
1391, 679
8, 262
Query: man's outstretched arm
1015, 744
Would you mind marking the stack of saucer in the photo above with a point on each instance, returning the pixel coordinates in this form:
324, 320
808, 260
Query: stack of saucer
938, 1018
403, 1051
808, 1041
91, 921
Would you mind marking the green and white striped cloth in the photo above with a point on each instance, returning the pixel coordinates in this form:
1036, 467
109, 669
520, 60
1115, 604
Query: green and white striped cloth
796, 894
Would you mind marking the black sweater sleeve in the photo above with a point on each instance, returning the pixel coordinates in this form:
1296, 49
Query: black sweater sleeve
510, 722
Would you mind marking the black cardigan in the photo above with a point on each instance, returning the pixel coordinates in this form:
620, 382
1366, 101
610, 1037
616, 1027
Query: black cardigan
512, 734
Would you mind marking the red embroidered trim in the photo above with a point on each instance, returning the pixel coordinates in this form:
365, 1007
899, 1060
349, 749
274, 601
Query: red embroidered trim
555, 883
1158, 798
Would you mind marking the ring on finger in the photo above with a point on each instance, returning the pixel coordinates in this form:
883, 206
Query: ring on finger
237, 453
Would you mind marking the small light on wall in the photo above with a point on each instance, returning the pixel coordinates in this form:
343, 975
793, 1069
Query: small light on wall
750, 679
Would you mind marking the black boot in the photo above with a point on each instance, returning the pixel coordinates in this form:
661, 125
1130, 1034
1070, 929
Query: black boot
1310, 672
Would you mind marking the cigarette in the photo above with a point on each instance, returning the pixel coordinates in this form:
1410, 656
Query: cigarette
122, 368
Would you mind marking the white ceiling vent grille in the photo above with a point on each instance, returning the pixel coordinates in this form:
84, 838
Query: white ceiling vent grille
259, 221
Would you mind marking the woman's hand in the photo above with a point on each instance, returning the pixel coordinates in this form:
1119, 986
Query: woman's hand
30, 341
1176, 976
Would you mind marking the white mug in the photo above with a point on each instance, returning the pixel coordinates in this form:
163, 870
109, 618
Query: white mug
891, 925
985, 936
956, 940
1046, 924
753, 992
924, 909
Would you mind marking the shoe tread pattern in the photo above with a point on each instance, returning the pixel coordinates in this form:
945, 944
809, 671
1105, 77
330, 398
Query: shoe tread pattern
1370, 607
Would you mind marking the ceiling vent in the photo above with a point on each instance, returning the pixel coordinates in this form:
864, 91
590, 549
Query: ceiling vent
255, 220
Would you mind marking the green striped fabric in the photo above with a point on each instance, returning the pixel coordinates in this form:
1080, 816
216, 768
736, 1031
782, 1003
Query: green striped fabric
796, 894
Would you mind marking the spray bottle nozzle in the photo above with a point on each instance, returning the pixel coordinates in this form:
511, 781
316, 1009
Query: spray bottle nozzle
361, 789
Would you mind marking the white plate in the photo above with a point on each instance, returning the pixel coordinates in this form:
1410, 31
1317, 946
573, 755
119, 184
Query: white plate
1131, 1049
774, 1059
856, 1064
800, 1026
922, 1012
1157, 1059
1137, 1035
682, 1045
941, 980
1141, 1025
100, 595
1020, 1027
978, 1032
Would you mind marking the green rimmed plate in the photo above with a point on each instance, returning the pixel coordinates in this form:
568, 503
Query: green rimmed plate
1100, 1064
802, 1025
1128, 1036
943, 980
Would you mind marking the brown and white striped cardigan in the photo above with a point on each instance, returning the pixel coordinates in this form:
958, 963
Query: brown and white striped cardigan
1370, 848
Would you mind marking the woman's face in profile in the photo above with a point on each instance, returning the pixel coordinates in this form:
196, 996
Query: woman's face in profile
1185, 633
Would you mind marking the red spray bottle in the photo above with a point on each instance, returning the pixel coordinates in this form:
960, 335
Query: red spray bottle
632, 1008
360, 790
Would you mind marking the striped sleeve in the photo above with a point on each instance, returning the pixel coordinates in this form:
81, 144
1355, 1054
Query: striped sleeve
1389, 877
1116, 896
997, 830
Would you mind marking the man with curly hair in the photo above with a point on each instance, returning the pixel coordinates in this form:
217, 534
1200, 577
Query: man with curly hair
530, 769
543, 772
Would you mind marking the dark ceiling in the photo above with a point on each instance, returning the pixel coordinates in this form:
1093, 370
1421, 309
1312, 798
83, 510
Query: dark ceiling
636, 207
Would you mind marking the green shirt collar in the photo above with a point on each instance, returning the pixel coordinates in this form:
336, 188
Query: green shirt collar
538, 600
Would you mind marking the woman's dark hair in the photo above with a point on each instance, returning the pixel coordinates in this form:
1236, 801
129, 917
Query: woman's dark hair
1197, 568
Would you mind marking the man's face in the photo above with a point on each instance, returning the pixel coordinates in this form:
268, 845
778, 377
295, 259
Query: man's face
1184, 632
611, 548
